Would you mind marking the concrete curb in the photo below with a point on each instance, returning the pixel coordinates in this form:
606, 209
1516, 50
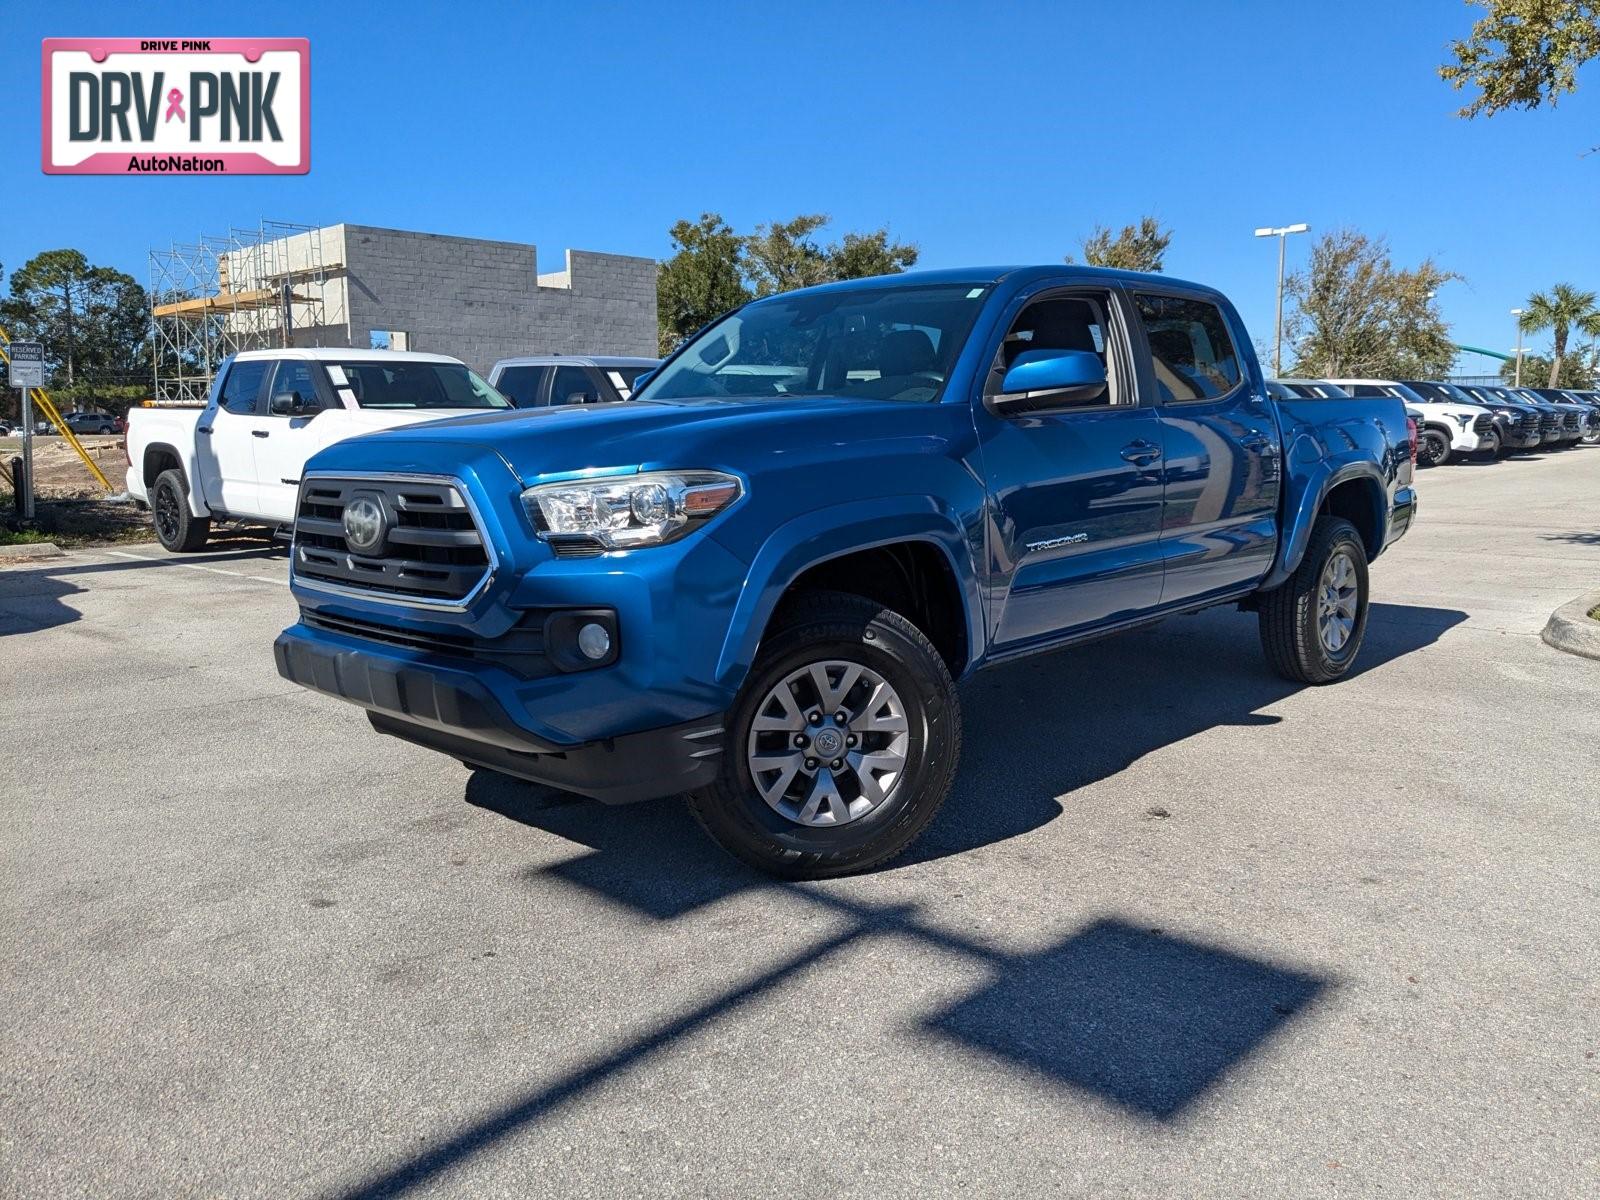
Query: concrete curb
1570, 627
28, 551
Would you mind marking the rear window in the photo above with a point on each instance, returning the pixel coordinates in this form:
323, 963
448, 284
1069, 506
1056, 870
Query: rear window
521, 385
380, 384
1190, 346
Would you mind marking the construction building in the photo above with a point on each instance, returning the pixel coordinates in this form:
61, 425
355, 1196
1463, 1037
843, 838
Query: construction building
356, 285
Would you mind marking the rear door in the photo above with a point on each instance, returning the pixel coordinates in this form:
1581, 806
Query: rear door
1075, 488
226, 436
1222, 470
525, 385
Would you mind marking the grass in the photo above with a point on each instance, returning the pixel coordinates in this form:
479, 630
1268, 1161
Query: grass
76, 522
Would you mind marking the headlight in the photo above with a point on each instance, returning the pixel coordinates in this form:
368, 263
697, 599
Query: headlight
1464, 418
623, 511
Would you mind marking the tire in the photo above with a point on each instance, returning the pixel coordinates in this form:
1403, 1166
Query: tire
1291, 624
177, 529
1433, 448
849, 828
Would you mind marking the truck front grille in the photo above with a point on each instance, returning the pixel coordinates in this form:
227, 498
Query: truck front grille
432, 548
520, 650
1483, 425
1572, 422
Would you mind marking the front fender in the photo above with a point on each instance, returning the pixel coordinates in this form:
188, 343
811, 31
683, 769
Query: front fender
837, 530
1307, 485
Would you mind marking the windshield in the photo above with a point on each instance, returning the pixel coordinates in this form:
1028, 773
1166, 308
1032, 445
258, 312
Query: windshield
878, 343
380, 384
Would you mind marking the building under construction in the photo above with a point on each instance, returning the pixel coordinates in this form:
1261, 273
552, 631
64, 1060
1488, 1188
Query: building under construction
283, 285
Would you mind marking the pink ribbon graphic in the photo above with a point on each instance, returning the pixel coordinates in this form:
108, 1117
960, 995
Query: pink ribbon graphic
175, 106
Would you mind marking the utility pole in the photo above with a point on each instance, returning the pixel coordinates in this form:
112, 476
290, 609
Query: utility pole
1517, 313
1282, 234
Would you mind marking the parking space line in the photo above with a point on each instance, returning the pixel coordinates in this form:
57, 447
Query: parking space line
201, 567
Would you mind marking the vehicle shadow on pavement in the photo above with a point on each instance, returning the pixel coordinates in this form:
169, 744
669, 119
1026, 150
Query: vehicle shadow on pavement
34, 600
1136, 1017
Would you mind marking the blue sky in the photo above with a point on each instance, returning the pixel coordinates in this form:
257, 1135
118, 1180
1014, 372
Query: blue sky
986, 133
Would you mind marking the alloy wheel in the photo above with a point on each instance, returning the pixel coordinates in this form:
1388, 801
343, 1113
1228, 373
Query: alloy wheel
828, 743
1336, 602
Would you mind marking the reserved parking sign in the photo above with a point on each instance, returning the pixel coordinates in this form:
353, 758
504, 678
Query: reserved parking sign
169, 106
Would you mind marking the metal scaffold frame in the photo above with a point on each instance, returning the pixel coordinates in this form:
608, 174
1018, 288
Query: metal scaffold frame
252, 289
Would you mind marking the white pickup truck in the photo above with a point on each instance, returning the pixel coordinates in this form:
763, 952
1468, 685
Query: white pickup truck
239, 458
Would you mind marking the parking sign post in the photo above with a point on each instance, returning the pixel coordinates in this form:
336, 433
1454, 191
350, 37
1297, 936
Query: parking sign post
26, 371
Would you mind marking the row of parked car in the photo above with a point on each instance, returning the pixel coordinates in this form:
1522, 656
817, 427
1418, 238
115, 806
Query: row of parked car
78, 422
1465, 420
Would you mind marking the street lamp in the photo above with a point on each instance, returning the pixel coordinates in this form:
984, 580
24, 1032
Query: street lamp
1282, 234
1517, 312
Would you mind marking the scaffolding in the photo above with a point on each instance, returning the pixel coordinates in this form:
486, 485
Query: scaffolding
253, 289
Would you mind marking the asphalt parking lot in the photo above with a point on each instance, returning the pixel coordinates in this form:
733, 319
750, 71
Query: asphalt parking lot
1182, 928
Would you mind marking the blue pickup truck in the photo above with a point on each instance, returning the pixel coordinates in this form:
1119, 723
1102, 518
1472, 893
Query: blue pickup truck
758, 581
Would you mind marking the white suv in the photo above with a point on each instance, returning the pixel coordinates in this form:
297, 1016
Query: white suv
1446, 430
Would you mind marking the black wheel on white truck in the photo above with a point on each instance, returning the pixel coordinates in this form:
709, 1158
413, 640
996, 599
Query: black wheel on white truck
177, 529
1433, 447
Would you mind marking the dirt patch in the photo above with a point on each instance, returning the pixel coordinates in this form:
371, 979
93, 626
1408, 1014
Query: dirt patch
59, 472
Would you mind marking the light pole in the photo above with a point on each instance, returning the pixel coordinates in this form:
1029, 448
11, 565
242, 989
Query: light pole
1282, 234
1517, 313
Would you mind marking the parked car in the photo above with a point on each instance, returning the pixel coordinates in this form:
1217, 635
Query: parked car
1590, 400
1451, 428
541, 381
1563, 418
759, 587
1545, 417
1516, 423
1570, 405
240, 458
1314, 389
90, 422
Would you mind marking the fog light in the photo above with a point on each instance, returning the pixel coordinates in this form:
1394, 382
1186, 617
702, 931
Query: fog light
594, 641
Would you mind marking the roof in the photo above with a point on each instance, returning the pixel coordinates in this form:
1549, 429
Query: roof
592, 360
348, 354
993, 275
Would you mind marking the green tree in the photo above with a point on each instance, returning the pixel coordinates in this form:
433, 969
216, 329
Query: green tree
1524, 53
1352, 312
785, 255
703, 280
1560, 310
1140, 247
94, 321
716, 269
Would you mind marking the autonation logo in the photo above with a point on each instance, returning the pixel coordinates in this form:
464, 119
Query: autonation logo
208, 106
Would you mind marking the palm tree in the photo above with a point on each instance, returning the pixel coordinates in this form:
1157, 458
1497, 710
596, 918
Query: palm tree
1560, 310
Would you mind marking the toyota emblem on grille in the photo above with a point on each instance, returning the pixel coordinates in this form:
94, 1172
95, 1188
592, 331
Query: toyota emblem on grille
364, 525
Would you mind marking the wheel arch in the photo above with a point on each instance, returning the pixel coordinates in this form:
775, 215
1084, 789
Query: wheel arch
854, 547
1354, 492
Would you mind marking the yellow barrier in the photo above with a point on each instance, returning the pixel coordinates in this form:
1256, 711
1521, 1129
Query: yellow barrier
42, 399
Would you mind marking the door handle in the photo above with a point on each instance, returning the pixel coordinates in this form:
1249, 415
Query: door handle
1141, 452
1256, 441
202, 429
260, 433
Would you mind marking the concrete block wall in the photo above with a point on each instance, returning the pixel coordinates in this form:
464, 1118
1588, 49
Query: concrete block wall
481, 300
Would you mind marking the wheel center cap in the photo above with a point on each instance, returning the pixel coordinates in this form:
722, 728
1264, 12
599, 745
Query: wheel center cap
828, 742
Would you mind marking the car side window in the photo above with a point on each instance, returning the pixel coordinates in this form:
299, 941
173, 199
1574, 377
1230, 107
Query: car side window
296, 375
1190, 348
521, 385
243, 385
1367, 390
1070, 322
572, 385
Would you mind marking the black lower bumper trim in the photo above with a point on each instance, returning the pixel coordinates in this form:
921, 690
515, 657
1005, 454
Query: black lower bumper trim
620, 770
453, 713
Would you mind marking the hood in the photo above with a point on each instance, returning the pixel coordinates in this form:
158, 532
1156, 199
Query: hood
544, 443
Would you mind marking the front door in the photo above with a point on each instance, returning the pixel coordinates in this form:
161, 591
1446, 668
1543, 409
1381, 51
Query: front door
1223, 468
291, 440
226, 436
1075, 489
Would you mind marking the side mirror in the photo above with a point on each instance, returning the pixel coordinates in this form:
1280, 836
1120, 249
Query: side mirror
1041, 378
289, 404
640, 380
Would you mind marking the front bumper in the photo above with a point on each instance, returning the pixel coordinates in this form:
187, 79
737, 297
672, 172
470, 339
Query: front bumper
450, 709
